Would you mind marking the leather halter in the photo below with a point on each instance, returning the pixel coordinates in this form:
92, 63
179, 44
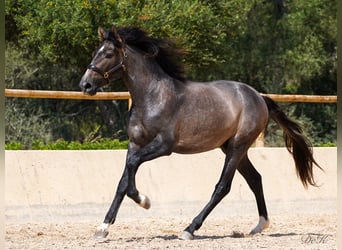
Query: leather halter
106, 74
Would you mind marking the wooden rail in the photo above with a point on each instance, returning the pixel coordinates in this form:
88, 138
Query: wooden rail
66, 94
303, 98
73, 95
21, 93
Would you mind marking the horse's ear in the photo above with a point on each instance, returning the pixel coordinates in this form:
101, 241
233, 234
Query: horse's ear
101, 33
116, 35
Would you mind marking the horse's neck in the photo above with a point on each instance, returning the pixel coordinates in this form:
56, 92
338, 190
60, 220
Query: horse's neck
145, 80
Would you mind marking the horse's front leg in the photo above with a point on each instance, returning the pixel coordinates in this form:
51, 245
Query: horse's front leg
135, 157
102, 230
159, 146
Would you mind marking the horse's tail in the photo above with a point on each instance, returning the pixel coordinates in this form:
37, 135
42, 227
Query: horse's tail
296, 143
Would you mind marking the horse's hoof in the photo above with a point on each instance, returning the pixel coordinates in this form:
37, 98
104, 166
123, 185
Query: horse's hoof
144, 201
100, 234
185, 235
263, 224
101, 231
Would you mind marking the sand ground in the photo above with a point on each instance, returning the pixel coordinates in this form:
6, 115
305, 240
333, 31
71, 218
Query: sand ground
298, 225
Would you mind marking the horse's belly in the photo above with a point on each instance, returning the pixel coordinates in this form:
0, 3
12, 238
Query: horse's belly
186, 149
200, 142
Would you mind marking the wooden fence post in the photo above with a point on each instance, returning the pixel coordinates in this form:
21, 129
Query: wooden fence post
259, 142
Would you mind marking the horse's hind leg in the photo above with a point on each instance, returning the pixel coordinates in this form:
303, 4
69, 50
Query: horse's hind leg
253, 179
222, 188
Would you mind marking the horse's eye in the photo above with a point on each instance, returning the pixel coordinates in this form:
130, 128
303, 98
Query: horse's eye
109, 55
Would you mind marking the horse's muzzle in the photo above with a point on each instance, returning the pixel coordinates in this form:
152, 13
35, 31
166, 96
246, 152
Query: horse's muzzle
88, 88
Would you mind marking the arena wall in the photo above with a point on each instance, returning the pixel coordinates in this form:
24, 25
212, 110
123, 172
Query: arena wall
57, 178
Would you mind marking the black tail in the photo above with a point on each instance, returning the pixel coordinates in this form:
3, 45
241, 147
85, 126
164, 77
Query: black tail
296, 143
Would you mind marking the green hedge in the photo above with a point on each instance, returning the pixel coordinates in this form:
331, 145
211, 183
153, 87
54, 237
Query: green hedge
104, 143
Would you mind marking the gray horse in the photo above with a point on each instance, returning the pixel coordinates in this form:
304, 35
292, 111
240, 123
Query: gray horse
171, 114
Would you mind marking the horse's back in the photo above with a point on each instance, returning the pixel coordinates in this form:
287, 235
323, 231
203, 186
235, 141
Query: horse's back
237, 96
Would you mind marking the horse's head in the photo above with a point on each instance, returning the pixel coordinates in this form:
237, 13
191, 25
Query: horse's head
107, 64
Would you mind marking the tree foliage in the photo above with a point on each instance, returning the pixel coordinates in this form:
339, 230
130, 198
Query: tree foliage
275, 46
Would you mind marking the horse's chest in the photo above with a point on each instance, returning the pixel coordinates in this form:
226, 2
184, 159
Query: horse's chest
142, 131
138, 134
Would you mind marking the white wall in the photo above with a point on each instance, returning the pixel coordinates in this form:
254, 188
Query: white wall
74, 177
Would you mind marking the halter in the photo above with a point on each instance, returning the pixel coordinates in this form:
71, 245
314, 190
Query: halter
106, 74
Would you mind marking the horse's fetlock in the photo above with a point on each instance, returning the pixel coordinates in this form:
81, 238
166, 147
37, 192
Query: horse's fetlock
134, 195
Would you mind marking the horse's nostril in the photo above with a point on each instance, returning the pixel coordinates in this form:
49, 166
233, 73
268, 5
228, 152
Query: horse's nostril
87, 86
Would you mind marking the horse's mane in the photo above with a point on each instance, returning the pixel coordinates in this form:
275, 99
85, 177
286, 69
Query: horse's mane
163, 51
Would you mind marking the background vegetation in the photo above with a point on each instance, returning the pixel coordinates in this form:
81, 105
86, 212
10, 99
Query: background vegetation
276, 46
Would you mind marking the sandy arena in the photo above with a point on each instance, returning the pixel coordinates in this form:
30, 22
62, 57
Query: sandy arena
300, 229
48, 208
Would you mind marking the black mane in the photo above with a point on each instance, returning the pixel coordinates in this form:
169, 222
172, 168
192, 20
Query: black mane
162, 50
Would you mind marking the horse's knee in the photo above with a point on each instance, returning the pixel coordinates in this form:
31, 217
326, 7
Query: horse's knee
222, 190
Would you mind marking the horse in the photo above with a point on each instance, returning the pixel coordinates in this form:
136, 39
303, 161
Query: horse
172, 114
